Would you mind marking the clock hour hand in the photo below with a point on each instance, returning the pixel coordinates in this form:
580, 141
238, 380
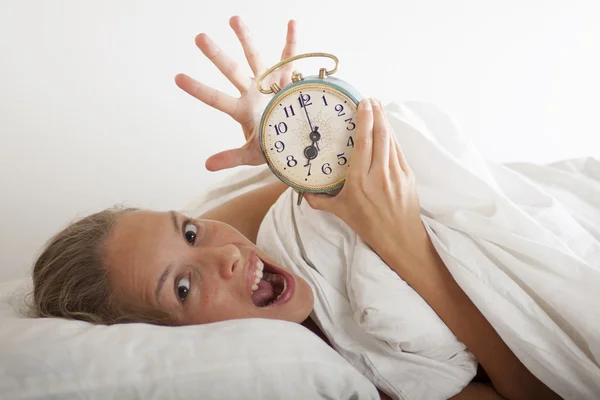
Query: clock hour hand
315, 136
310, 152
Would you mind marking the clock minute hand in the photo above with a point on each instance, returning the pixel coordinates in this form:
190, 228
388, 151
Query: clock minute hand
305, 111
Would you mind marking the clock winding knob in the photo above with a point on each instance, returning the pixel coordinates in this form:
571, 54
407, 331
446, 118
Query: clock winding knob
297, 76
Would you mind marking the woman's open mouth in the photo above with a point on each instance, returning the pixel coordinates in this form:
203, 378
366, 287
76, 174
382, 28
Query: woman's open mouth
272, 286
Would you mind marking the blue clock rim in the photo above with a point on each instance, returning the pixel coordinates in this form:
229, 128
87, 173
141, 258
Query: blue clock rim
355, 97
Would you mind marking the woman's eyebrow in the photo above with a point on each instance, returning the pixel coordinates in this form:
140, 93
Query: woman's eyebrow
165, 273
174, 220
161, 281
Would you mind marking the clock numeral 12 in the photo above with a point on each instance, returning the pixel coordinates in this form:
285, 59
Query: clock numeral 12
304, 100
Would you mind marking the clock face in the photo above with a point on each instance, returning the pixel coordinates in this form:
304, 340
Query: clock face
308, 136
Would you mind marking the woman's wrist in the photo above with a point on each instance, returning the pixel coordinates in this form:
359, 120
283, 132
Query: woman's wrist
413, 257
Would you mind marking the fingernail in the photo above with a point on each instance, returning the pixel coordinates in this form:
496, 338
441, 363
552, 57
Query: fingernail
374, 102
365, 104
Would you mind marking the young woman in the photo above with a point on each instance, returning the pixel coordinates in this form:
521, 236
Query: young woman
127, 265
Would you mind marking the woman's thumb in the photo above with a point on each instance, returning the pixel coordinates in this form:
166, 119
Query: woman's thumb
223, 160
318, 201
232, 158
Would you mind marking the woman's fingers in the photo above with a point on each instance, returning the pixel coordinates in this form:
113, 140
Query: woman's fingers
207, 95
397, 161
402, 160
289, 51
403, 164
323, 202
226, 65
363, 140
252, 55
231, 158
394, 163
381, 138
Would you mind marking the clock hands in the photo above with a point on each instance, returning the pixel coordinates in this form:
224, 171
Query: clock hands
315, 136
312, 151
305, 110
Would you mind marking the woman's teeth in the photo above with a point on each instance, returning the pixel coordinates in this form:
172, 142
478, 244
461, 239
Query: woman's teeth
280, 294
283, 291
276, 280
258, 274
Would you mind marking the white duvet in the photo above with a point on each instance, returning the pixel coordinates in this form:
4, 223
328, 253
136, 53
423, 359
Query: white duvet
522, 240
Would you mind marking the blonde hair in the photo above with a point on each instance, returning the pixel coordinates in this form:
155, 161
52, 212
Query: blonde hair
70, 278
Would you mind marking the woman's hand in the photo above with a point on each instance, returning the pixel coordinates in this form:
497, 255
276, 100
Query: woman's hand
247, 109
379, 199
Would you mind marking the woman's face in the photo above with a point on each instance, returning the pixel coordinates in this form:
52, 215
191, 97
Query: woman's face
199, 271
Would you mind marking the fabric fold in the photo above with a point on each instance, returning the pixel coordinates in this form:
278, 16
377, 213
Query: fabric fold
522, 241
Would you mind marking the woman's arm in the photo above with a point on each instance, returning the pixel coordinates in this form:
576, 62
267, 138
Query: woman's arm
428, 276
473, 391
477, 391
246, 212
379, 202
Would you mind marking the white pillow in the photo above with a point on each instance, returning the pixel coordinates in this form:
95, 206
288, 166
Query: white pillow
240, 359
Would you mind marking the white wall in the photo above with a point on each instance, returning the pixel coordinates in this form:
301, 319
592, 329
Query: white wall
90, 116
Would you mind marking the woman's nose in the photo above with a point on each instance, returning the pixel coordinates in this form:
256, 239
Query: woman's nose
225, 259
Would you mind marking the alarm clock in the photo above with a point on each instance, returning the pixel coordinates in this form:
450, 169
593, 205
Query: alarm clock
307, 130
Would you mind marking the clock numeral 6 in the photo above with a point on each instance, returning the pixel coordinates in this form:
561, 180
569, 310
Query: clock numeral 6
340, 158
291, 161
281, 146
326, 169
281, 128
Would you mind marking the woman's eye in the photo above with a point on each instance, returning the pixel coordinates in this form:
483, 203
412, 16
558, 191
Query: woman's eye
190, 231
183, 288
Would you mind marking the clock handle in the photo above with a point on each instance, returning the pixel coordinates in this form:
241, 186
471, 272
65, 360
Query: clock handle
274, 88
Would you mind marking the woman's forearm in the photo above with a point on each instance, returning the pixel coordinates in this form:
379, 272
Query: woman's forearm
246, 212
435, 284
